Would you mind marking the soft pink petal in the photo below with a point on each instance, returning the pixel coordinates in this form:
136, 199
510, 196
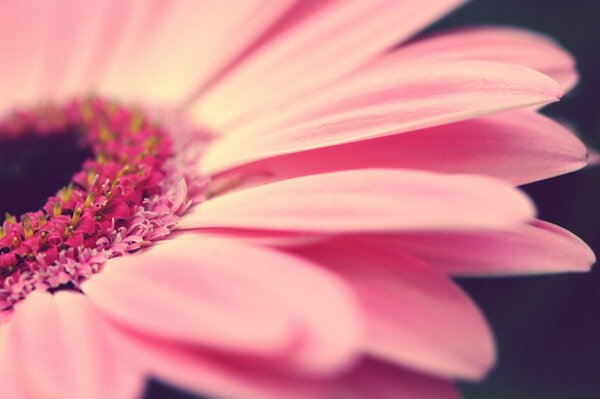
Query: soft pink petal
416, 316
381, 103
230, 296
510, 45
270, 238
60, 48
5, 316
516, 146
335, 39
8, 387
73, 30
59, 348
208, 375
184, 44
534, 248
119, 21
23, 27
377, 380
366, 200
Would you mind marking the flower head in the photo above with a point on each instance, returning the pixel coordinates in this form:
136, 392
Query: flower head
266, 199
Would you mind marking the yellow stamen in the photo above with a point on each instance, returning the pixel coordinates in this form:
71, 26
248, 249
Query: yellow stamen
56, 209
76, 216
105, 135
136, 122
92, 177
27, 230
151, 142
10, 218
89, 199
68, 232
66, 192
87, 112
123, 171
101, 158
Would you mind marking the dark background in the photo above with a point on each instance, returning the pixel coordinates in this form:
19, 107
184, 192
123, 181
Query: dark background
547, 328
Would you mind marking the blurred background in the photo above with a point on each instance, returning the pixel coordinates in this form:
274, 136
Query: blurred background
547, 328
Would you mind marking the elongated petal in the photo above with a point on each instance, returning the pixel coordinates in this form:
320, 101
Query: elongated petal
416, 316
516, 146
73, 28
377, 380
535, 248
515, 46
366, 200
382, 103
175, 47
328, 43
8, 387
210, 376
234, 297
22, 42
60, 348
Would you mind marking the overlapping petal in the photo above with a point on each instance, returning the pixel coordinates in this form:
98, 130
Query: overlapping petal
366, 200
204, 373
416, 316
58, 347
515, 46
323, 41
535, 248
516, 146
173, 48
383, 103
226, 295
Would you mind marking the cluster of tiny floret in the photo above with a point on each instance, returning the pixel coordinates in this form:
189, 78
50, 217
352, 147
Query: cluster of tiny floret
130, 194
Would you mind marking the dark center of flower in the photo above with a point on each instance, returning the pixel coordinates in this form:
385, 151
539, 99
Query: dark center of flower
32, 166
110, 162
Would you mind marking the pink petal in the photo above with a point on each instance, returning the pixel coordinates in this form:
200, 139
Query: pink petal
534, 248
515, 46
380, 103
23, 26
119, 21
206, 375
234, 297
516, 146
269, 238
73, 27
376, 380
366, 200
184, 44
60, 349
8, 387
416, 316
337, 38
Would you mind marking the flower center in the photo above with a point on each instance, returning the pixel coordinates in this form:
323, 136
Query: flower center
33, 166
123, 188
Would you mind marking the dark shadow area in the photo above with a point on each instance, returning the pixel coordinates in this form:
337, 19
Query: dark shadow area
158, 390
34, 166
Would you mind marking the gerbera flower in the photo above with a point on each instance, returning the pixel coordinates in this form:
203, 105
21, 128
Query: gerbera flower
266, 199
